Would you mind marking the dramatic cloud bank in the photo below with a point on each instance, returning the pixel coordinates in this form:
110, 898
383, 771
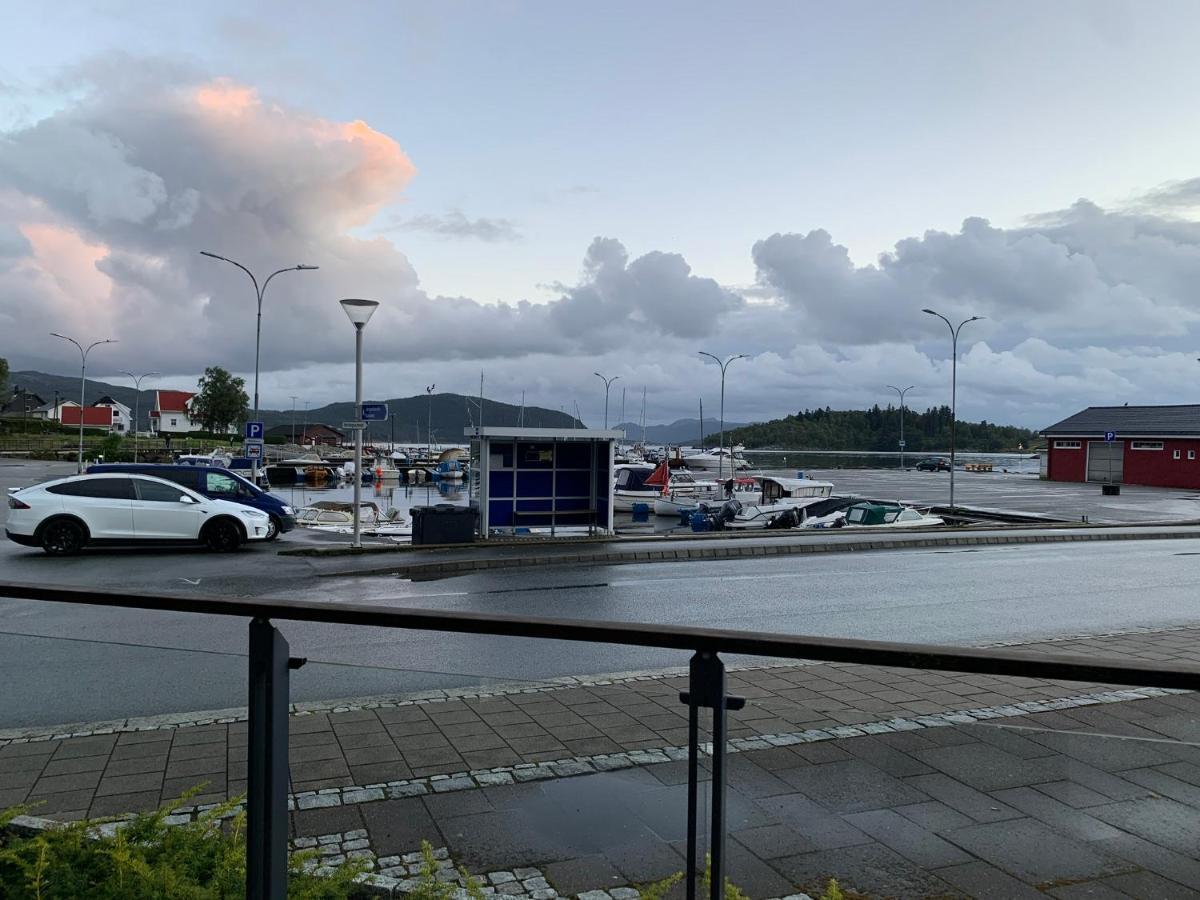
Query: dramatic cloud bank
106, 203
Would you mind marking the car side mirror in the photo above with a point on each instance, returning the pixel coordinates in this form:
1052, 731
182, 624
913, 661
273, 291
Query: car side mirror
186, 499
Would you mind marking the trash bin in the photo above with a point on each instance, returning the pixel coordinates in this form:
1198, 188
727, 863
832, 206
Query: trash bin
444, 523
641, 512
1110, 490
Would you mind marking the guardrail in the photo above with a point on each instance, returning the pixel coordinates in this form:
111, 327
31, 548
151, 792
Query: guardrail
269, 664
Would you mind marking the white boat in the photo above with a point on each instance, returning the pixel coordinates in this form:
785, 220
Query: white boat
728, 461
217, 458
777, 496
875, 515
685, 493
337, 517
630, 487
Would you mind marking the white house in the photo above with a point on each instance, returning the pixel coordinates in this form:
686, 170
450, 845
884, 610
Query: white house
172, 413
122, 415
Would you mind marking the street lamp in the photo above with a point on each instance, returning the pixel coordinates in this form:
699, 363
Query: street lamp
359, 312
293, 399
721, 452
901, 392
259, 292
429, 393
953, 386
607, 384
83, 355
137, 402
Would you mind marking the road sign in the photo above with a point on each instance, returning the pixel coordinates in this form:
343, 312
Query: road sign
374, 412
254, 431
902, 445
253, 449
1110, 436
354, 426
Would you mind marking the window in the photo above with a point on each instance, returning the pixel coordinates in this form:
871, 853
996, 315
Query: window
1066, 445
1175, 454
1145, 445
216, 483
174, 421
105, 488
157, 492
1191, 454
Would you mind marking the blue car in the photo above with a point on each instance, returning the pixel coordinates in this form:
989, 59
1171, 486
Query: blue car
217, 483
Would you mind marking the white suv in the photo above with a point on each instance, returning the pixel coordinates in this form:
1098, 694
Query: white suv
63, 516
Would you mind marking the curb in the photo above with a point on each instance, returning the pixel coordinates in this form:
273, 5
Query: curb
634, 556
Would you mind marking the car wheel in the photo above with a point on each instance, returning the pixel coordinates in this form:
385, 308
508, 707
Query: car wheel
223, 536
63, 537
272, 529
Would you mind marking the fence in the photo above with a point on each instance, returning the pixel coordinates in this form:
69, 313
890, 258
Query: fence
270, 663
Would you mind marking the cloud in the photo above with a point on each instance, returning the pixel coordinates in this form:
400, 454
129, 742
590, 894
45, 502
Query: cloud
105, 203
455, 224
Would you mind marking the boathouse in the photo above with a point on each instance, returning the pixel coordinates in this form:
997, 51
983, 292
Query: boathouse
1151, 445
547, 480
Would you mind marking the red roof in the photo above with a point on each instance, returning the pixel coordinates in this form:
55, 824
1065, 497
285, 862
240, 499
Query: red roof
174, 401
97, 416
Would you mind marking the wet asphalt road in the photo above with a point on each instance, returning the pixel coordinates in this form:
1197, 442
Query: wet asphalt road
60, 664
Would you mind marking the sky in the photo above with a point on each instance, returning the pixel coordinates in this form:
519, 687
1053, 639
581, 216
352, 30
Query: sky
539, 191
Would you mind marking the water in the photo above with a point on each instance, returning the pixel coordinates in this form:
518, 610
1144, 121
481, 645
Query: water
782, 462
387, 495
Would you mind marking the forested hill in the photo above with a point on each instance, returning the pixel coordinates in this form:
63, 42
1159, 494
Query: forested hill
878, 429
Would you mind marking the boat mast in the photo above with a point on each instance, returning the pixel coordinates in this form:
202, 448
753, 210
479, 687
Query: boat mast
701, 444
643, 418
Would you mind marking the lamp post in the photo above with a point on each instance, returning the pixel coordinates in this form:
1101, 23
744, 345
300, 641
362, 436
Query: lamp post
293, 399
429, 393
607, 384
359, 312
901, 392
721, 452
83, 355
137, 403
259, 292
953, 386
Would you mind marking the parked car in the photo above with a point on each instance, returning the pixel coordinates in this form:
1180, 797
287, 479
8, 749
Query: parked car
65, 515
216, 484
933, 464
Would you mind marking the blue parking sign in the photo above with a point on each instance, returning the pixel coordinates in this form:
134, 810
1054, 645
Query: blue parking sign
254, 431
1110, 436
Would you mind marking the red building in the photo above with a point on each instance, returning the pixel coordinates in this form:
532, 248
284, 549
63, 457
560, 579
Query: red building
1153, 445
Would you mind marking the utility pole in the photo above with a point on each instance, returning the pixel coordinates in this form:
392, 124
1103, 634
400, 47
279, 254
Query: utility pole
901, 392
294, 399
721, 453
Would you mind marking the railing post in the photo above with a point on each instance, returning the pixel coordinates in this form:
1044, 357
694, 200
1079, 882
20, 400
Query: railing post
706, 687
267, 765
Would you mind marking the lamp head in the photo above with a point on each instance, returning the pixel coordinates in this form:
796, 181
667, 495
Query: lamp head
930, 311
359, 311
306, 268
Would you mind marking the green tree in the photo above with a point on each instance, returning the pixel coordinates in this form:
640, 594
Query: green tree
220, 401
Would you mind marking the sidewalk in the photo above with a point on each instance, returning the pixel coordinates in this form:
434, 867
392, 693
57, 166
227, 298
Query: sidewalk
898, 782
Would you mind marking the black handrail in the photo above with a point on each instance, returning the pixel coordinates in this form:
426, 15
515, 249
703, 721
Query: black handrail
267, 755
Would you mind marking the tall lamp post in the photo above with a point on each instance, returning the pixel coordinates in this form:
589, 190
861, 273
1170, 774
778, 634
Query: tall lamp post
259, 292
953, 386
294, 399
83, 355
137, 403
721, 452
359, 312
607, 384
901, 392
429, 393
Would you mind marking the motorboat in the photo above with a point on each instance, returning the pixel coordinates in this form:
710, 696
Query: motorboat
872, 514
729, 460
217, 458
777, 496
337, 517
684, 493
630, 486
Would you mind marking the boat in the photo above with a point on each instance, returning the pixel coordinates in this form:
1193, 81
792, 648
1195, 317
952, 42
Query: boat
337, 517
630, 487
875, 514
729, 460
216, 458
683, 493
778, 496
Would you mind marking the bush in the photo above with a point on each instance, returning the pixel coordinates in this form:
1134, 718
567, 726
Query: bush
146, 858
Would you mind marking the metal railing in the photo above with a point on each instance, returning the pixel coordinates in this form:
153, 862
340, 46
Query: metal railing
269, 665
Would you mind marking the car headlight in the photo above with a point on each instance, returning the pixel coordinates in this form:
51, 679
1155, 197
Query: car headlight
288, 511
253, 514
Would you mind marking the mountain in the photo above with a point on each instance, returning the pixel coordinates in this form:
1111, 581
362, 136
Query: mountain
878, 429
681, 431
410, 415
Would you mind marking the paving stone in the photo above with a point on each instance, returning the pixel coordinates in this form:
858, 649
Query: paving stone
964, 799
821, 828
338, 819
985, 882
1062, 818
922, 847
1090, 890
1162, 821
1149, 885
125, 784
118, 804
1072, 794
396, 826
870, 869
1033, 852
852, 786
